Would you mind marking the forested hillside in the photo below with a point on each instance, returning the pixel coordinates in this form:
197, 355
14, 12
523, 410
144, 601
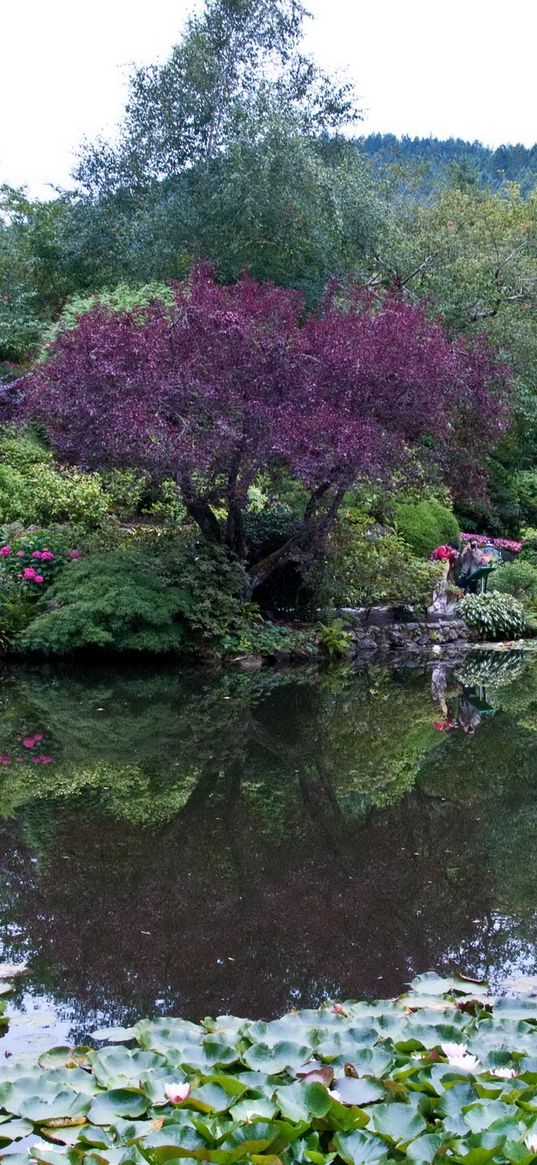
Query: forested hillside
439, 160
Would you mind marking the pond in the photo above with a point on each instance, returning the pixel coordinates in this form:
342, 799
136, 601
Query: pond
189, 843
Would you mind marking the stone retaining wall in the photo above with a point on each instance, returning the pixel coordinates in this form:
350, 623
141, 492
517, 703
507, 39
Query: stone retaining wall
396, 630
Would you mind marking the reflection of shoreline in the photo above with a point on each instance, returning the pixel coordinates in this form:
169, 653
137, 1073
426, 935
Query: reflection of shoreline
205, 845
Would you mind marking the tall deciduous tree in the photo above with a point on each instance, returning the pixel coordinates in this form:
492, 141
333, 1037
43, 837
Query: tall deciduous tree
228, 382
238, 63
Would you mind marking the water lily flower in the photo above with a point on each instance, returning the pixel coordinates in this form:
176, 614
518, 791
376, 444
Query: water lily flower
531, 1142
503, 1073
176, 1093
458, 1056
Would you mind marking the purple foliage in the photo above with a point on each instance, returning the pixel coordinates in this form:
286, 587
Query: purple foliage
230, 380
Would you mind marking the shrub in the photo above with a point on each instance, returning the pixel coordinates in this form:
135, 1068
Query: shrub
35, 559
270, 640
526, 489
425, 524
122, 298
35, 491
155, 597
518, 579
369, 567
493, 616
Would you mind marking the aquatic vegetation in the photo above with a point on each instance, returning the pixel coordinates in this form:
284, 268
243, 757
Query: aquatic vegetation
445, 1070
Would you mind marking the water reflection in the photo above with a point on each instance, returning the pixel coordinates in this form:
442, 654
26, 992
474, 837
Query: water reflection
203, 843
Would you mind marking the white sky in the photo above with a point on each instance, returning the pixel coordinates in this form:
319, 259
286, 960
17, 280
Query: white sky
444, 67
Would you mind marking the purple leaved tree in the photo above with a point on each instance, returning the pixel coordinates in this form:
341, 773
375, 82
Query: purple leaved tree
229, 382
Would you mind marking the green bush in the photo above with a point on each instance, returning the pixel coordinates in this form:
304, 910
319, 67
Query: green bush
526, 489
369, 567
166, 596
34, 491
425, 524
120, 298
517, 578
493, 616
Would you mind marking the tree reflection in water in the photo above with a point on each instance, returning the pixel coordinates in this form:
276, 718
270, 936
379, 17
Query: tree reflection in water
206, 843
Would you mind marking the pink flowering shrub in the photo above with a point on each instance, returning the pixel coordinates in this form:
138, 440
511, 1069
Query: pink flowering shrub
500, 543
32, 754
35, 560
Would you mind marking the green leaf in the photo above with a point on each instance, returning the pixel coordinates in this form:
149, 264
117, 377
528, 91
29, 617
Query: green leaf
276, 1059
360, 1147
398, 1121
118, 1102
424, 1148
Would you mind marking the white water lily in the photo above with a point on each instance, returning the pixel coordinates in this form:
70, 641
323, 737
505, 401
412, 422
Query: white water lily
531, 1142
503, 1073
458, 1056
450, 1050
176, 1093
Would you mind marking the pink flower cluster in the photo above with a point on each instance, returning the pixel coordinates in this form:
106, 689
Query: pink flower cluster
36, 760
5, 551
30, 575
31, 741
500, 543
46, 555
74, 554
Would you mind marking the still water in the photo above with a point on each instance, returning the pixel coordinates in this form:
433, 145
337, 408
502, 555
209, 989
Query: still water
179, 842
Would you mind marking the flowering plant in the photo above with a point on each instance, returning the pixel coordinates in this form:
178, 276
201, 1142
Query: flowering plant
27, 749
500, 543
34, 560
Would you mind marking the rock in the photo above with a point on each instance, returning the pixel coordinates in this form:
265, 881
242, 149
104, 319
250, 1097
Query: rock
250, 662
403, 613
365, 644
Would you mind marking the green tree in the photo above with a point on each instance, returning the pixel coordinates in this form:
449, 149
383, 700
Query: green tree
237, 63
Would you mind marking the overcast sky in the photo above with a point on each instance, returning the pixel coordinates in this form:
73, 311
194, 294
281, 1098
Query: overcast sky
464, 68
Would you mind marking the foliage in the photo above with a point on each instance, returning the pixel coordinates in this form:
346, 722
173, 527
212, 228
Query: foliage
435, 1070
271, 640
38, 556
333, 638
366, 566
437, 161
237, 64
157, 597
518, 579
526, 487
493, 615
34, 490
425, 524
120, 298
256, 389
